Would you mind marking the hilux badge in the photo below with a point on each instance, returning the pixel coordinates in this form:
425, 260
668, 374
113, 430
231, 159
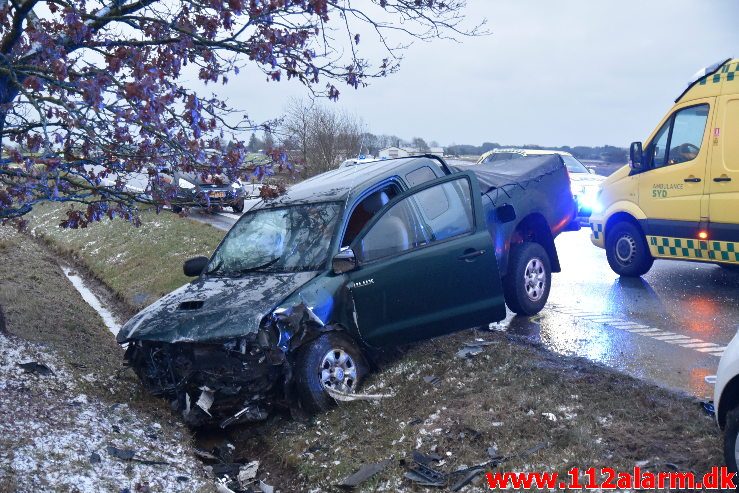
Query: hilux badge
364, 283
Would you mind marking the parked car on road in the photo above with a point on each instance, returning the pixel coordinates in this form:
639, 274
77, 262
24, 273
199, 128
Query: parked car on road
679, 197
194, 190
304, 287
585, 182
726, 402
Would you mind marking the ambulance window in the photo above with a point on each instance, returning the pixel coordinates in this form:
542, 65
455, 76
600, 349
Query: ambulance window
687, 134
659, 145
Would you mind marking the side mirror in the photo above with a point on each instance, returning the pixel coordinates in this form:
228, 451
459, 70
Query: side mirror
505, 213
636, 156
195, 266
344, 261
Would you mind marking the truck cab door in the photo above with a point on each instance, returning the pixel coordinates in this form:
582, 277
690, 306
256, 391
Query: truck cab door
723, 182
672, 187
426, 265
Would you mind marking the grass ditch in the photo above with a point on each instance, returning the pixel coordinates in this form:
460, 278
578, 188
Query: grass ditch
139, 264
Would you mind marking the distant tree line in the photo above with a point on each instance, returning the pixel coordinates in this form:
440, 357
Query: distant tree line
609, 154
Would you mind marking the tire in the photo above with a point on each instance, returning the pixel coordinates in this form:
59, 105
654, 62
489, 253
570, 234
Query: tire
238, 206
528, 280
627, 250
313, 367
731, 430
176, 209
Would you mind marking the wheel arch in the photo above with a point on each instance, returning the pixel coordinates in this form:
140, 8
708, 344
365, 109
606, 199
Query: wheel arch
620, 217
729, 400
534, 227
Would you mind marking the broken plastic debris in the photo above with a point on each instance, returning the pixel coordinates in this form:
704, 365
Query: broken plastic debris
120, 453
247, 473
708, 408
363, 474
550, 416
266, 488
346, 397
432, 380
37, 368
425, 476
473, 348
205, 400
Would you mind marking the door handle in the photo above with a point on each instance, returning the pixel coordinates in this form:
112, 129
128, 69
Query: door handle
722, 178
692, 179
470, 254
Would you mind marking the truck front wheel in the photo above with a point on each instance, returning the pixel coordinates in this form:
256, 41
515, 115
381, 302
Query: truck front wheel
627, 250
330, 361
529, 278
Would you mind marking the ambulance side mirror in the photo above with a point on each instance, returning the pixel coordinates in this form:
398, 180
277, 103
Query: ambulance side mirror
636, 156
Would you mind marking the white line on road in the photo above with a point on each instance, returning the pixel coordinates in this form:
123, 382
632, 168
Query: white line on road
644, 330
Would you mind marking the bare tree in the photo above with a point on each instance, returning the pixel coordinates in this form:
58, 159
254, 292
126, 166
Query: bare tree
325, 136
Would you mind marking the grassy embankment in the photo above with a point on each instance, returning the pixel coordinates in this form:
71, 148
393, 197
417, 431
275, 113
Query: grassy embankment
511, 397
138, 264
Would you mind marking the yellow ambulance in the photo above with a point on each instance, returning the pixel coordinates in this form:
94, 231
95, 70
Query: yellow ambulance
679, 196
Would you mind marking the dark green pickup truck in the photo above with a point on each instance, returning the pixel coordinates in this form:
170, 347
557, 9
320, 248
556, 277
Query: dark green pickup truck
302, 288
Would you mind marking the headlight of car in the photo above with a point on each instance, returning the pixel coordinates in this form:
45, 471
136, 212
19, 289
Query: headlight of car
182, 183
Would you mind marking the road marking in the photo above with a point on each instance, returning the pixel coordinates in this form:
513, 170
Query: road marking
644, 330
229, 215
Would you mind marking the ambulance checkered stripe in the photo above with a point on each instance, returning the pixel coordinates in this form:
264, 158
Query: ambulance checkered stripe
731, 74
720, 251
597, 229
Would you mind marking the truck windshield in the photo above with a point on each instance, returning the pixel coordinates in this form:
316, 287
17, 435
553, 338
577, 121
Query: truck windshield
573, 165
285, 239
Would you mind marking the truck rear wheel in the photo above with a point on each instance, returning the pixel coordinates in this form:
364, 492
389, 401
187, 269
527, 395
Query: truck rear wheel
627, 250
529, 278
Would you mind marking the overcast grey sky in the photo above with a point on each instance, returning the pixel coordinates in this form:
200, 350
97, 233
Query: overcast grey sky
564, 72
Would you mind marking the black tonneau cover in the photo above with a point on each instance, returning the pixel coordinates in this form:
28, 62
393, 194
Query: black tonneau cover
514, 172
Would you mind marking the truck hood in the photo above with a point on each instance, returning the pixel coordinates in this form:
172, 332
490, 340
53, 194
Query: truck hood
214, 308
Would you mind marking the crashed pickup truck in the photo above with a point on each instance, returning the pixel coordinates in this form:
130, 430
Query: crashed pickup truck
289, 308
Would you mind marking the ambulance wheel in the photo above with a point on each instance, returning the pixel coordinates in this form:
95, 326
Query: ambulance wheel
731, 444
529, 278
627, 250
330, 361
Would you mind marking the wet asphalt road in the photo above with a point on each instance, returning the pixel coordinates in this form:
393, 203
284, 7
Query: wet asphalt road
668, 327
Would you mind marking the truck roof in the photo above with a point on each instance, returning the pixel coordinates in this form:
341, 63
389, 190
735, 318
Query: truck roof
343, 183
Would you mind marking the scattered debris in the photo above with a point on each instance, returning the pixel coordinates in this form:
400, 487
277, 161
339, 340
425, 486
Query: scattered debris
37, 368
266, 488
423, 475
473, 348
345, 397
432, 380
550, 417
709, 408
425, 459
363, 474
95, 458
119, 453
247, 473
207, 395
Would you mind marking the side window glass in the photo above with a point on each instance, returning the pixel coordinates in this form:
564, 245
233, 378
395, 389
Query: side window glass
420, 175
658, 147
401, 229
687, 134
366, 210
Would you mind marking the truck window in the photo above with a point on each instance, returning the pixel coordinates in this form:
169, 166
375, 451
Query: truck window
420, 175
400, 229
366, 210
681, 137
